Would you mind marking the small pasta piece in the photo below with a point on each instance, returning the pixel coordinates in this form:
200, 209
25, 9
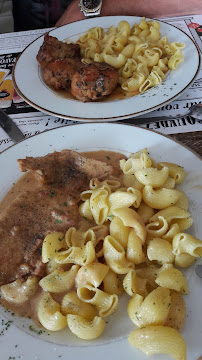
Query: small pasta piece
49, 314
99, 204
157, 228
172, 231
105, 303
124, 27
175, 60
115, 256
131, 218
76, 255
120, 199
71, 304
85, 210
112, 283
160, 199
85, 329
91, 274
175, 171
53, 242
173, 279
184, 260
129, 180
174, 215
133, 284
119, 231
134, 252
137, 194
133, 83
151, 272
177, 312
159, 340
59, 280
187, 244
78, 238
20, 291
128, 51
169, 184
153, 310
160, 250
115, 61
183, 201
145, 212
134, 163
152, 176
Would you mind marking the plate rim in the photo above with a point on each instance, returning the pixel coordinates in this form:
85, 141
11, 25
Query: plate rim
112, 118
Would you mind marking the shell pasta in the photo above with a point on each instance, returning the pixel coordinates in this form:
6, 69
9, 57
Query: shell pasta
139, 53
130, 241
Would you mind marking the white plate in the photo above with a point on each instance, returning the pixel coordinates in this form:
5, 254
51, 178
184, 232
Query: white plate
30, 85
124, 139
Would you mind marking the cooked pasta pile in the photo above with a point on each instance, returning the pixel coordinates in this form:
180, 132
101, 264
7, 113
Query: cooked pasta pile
140, 54
136, 246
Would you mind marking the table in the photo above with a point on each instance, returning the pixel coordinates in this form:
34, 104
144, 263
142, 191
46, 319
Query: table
192, 139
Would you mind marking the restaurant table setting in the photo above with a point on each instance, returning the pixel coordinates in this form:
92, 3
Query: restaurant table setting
165, 121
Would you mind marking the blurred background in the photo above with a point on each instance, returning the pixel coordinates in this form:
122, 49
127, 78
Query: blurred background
6, 18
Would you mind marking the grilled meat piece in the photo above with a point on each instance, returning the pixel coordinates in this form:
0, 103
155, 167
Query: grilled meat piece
65, 168
94, 81
58, 73
53, 49
25, 223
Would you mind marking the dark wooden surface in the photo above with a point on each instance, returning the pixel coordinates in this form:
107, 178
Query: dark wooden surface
193, 140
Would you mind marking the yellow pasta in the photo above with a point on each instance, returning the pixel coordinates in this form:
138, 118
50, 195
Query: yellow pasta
59, 280
85, 329
139, 52
160, 199
19, 291
91, 274
160, 250
49, 313
71, 304
173, 279
187, 244
105, 303
159, 340
153, 310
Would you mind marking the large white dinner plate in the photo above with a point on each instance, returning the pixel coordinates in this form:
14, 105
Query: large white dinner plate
113, 342
30, 85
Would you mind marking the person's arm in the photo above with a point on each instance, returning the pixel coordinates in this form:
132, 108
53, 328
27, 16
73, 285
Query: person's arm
147, 8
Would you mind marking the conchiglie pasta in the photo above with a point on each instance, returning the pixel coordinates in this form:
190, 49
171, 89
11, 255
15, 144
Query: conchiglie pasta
159, 340
160, 199
71, 304
152, 176
153, 310
49, 313
160, 250
112, 283
59, 280
91, 274
105, 303
85, 329
173, 279
20, 291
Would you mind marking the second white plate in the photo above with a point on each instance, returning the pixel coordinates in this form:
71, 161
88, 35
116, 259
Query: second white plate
30, 86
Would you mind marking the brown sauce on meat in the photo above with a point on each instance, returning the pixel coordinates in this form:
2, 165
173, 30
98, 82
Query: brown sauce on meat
117, 94
28, 183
